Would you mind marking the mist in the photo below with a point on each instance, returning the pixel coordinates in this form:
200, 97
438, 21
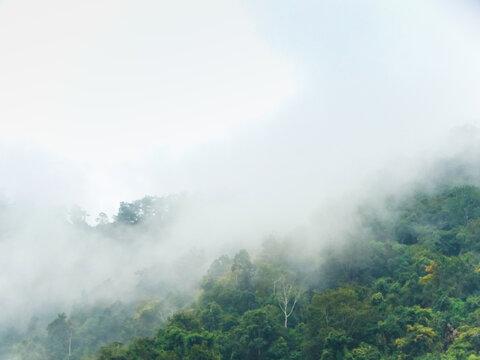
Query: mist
278, 119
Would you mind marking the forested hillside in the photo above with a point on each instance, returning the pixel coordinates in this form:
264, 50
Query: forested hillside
405, 285
239, 180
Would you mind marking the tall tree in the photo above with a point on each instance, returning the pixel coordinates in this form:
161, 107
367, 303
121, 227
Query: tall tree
287, 295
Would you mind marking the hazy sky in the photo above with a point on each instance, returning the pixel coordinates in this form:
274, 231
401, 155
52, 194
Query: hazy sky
109, 100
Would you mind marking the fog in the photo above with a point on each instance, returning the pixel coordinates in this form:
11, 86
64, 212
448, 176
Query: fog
277, 119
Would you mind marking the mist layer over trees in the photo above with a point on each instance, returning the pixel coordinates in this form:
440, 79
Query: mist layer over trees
402, 283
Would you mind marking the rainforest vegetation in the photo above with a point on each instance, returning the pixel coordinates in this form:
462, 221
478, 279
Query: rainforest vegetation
404, 285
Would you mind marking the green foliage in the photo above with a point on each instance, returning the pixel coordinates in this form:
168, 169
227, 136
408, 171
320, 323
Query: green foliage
405, 287
59, 333
364, 352
136, 211
256, 333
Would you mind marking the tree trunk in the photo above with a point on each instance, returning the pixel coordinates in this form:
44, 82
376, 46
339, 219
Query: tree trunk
70, 344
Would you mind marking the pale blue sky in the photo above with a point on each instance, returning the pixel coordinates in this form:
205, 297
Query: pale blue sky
195, 96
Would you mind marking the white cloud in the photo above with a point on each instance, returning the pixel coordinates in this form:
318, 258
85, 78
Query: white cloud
101, 81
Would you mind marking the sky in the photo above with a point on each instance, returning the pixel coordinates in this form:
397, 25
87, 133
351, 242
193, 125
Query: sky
103, 101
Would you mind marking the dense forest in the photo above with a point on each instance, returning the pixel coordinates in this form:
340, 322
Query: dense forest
404, 285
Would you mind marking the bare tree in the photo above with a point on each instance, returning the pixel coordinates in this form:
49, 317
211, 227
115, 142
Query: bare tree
287, 295
71, 325
70, 343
